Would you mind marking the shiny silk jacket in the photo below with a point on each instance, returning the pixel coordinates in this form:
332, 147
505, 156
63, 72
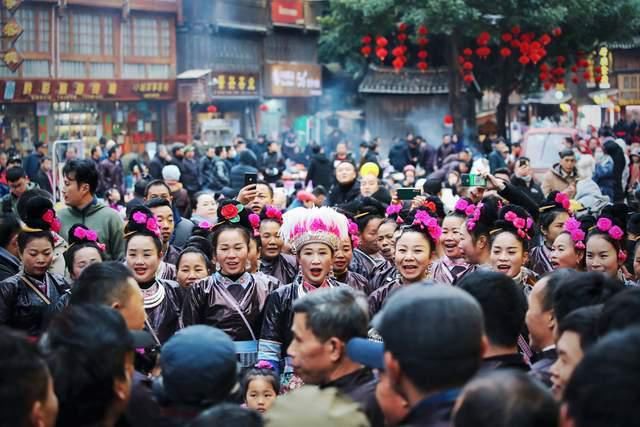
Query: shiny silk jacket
207, 303
164, 317
21, 308
283, 267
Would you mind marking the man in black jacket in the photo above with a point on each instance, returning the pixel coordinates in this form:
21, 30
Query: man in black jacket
272, 163
189, 177
523, 179
347, 186
159, 161
320, 170
43, 177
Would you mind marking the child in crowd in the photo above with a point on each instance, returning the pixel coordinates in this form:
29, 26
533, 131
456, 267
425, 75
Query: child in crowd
260, 387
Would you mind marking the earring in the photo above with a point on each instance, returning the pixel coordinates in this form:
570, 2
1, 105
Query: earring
218, 266
247, 266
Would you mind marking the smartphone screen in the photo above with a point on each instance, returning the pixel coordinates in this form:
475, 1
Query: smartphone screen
408, 193
472, 180
250, 178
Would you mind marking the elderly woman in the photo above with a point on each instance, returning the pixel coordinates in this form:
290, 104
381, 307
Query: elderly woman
588, 194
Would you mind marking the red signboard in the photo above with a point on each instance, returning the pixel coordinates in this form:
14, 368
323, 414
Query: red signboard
287, 12
86, 90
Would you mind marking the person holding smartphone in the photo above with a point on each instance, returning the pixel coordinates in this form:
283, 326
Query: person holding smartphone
523, 179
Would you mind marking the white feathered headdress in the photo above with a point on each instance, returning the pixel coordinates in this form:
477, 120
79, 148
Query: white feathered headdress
302, 226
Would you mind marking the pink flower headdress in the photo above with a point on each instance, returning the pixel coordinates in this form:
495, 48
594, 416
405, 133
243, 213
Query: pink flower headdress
394, 210
474, 217
50, 218
426, 222
302, 226
272, 213
572, 227
605, 225
522, 225
464, 207
354, 234
149, 222
88, 235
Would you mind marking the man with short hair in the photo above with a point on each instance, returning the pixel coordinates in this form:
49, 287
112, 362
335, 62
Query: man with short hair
323, 322
26, 387
272, 163
111, 173
19, 183
505, 398
189, 176
523, 179
541, 323
159, 161
499, 155
80, 185
562, 176
111, 284
44, 177
264, 197
433, 345
603, 390
320, 169
10, 264
577, 331
32, 161
620, 312
504, 307
96, 155
347, 187
161, 209
581, 290
90, 353
182, 226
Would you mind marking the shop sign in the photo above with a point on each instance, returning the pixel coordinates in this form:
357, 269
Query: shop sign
11, 5
294, 80
11, 30
235, 84
86, 90
287, 12
605, 65
12, 59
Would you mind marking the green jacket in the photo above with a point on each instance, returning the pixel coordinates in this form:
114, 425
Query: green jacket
100, 218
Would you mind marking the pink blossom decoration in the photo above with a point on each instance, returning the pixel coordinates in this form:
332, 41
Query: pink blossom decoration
80, 233
510, 216
604, 224
206, 225
616, 232
139, 218
101, 246
563, 200
470, 210
461, 205
393, 209
254, 220
519, 223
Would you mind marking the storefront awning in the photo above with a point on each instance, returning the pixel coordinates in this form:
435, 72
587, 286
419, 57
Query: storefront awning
192, 74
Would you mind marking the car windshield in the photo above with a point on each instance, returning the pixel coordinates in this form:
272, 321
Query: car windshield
543, 148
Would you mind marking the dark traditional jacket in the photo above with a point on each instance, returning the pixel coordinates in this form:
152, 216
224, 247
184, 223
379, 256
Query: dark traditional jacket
539, 260
353, 280
276, 335
447, 271
507, 361
163, 304
362, 264
380, 295
171, 257
382, 274
541, 367
283, 268
341, 194
21, 307
9, 264
167, 271
209, 302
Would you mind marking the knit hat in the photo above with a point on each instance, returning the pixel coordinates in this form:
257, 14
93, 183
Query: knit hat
171, 173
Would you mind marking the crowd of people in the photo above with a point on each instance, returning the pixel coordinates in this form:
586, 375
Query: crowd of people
441, 286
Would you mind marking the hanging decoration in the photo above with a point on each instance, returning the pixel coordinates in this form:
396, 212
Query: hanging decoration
212, 109
366, 49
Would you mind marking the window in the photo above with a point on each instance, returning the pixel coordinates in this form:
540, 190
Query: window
147, 37
86, 34
35, 37
35, 68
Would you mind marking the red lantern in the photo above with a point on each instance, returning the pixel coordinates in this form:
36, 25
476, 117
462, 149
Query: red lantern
515, 43
461, 60
561, 81
535, 58
263, 107
381, 41
545, 39
586, 75
423, 54
448, 119
598, 79
402, 37
506, 37
524, 60
515, 29
483, 52
524, 47
467, 66
381, 53
423, 41
366, 39
468, 78
559, 71
398, 63
212, 109
397, 51
583, 63
422, 66
544, 67
505, 51
543, 76
574, 68
597, 69
402, 27
423, 30
366, 51
467, 52
547, 86
557, 32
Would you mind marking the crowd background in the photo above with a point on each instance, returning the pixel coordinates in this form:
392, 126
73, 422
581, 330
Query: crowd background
257, 283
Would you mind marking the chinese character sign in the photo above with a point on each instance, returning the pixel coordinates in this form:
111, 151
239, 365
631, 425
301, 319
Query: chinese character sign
294, 80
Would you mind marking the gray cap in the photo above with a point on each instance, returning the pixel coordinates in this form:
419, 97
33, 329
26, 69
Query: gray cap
425, 323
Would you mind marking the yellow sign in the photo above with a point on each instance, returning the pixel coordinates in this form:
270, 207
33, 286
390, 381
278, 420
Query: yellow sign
11, 5
605, 67
12, 59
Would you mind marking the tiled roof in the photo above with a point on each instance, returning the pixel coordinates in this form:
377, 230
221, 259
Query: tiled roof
405, 82
632, 43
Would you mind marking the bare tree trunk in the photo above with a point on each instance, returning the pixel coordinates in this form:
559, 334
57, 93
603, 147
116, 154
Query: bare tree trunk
455, 84
503, 105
